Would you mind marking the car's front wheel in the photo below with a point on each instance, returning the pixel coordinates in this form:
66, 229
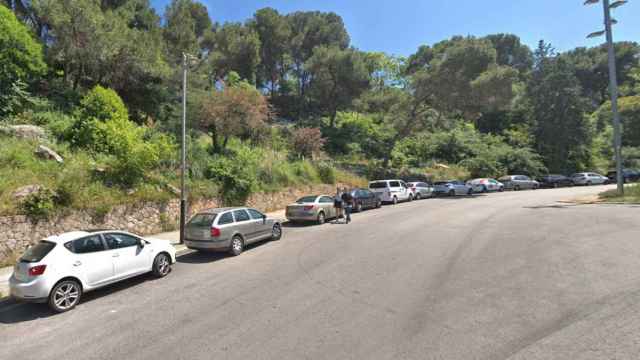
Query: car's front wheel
359, 207
237, 246
161, 265
65, 296
321, 218
395, 200
276, 232
452, 192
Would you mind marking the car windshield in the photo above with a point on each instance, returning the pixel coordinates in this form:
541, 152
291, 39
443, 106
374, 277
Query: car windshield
306, 199
205, 219
378, 185
38, 251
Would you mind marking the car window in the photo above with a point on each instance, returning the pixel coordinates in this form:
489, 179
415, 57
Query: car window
255, 214
119, 241
38, 251
85, 245
202, 219
394, 184
241, 215
225, 218
306, 199
326, 199
377, 185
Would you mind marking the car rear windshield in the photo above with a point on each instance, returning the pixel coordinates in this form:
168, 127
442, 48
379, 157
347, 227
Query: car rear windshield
441, 182
378, 185
37, 252
202, 219
307, 199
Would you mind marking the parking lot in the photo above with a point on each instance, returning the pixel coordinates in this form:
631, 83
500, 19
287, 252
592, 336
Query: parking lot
504, 275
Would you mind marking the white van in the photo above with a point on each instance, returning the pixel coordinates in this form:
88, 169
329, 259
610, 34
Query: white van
391, 191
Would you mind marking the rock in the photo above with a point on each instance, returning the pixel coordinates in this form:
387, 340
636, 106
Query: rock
174, 190
24, 191
46, 153
30, 132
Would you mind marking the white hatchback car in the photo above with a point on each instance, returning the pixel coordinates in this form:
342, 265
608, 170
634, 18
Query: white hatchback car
59, 269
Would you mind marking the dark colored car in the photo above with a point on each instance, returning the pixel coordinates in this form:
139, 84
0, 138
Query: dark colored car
628, 176
365, 199
555, 181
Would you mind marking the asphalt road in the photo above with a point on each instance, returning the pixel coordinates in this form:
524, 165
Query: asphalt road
515, 275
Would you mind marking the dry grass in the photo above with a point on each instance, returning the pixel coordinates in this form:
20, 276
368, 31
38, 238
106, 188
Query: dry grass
631, 195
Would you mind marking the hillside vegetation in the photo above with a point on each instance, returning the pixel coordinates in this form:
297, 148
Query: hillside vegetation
281, 100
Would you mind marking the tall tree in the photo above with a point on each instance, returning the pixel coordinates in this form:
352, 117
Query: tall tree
274, 32
558, 110
187, 22
235, 47
338, 77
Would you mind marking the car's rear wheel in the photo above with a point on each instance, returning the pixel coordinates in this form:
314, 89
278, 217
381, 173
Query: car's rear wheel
516, 188
418, 196
237, 246
276, 232
588, 183
65, 296
555, 185
452, 192
470, 192
378, 204
161, 265
484, 189
410, 198
395, 200
321, 219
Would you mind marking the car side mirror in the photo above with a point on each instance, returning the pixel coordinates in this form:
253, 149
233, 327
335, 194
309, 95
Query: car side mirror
141, 243
264, 218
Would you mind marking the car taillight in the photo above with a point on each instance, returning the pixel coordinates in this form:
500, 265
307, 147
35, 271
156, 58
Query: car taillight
308, 207
215, 232
37, 270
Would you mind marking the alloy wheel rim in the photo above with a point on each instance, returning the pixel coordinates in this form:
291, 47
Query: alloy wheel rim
163, 265
66, 296
237, 245
276, 231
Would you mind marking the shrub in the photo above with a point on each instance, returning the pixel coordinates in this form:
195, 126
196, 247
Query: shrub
306, 142
100, 105
327, 173
236, 174
39, 205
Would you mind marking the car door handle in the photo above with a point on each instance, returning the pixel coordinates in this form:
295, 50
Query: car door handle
115, 255
77, 263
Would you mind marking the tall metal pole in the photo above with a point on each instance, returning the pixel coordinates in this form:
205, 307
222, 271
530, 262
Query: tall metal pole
613, 88
183, 195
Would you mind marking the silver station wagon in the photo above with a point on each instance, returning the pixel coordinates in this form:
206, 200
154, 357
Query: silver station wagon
229, 229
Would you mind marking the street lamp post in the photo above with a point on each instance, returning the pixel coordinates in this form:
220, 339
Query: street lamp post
183, 162
613, 84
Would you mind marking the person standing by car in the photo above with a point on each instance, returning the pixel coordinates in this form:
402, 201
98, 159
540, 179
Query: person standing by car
347, 204
337, 203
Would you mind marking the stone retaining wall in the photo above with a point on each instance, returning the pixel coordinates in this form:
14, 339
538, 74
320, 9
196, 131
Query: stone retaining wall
17, 232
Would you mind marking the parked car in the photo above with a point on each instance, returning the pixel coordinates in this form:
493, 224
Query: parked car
628, 176
420, 190
519, 182
391, 191
587, 179
451, 188
484, 185
316, 208
365, 199
554, 181
61, 268
229, 229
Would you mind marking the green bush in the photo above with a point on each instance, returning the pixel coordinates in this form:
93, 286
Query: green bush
327, 173
99, 106
237, 175
39, 205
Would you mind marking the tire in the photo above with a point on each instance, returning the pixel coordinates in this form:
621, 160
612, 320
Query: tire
418, 196
161, 265
237, 245
378, 204
452, 192
321, 218
484, 189
410, 198
501, 189
395, 200
588, 183
470, 192
555, 185
359, 208
276, 232
516, 188
65, 296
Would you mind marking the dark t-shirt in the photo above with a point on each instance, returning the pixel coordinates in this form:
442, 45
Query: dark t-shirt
347, 198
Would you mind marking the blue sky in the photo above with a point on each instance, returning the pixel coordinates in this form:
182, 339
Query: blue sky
400, 26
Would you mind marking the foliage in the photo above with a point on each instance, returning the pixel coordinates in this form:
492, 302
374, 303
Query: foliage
235, 111
236, 175
327, 173
39, 205
21, 59
306, 142
631, 195
629, 110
